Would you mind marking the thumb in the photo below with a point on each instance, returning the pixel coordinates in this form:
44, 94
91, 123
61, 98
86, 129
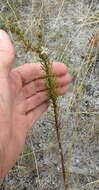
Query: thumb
7, 51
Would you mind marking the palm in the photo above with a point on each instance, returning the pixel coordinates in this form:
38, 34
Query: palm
28, 105
19, 117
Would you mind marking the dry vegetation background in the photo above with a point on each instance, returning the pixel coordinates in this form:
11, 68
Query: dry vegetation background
67, 25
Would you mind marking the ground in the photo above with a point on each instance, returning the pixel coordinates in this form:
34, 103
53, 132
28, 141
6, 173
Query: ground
67, 26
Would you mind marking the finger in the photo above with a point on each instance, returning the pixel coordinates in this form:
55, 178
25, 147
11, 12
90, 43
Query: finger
36, 100
39, 98
33, 71
7, 51
63, 90
35, 114
40, 85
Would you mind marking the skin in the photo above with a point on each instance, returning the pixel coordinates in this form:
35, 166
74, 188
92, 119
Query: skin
23, 99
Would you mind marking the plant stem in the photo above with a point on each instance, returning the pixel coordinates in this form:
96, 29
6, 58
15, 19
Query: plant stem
60, 146
53, 96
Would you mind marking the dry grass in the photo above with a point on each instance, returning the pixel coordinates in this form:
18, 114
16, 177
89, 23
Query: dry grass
67, 26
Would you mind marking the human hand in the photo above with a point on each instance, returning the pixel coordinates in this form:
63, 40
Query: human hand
23, 99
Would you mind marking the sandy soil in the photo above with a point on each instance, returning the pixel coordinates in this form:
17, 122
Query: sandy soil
67, 26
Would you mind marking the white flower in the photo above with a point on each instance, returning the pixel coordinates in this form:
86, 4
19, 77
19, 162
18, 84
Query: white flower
44, 50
